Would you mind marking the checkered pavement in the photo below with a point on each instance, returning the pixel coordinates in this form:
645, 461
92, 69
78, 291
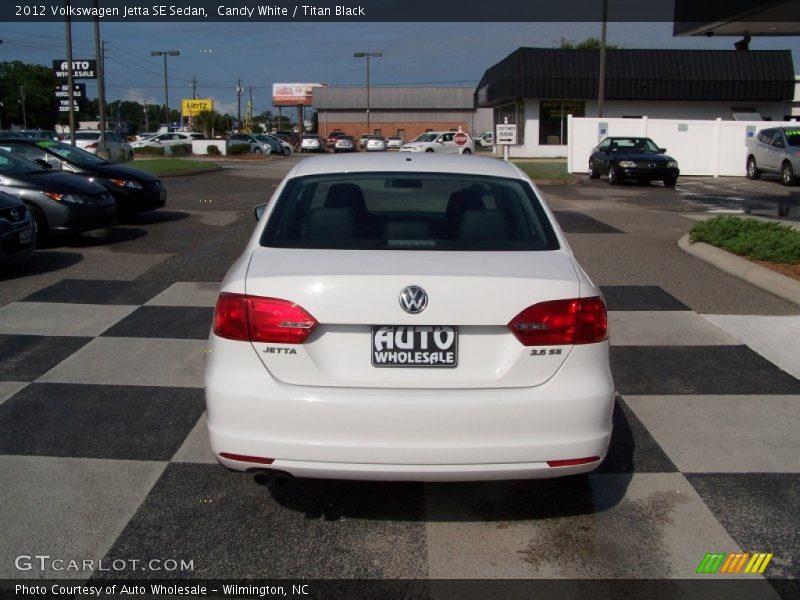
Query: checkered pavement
104, 455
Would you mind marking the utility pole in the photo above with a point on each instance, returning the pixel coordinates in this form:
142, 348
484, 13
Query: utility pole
99, 55
22, 101
367, 55
194, 88
146, 117
601, 85
70, 81
239, 90
250, 112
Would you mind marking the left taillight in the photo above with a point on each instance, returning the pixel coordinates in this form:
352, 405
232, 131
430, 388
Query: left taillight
257, 319
562, 322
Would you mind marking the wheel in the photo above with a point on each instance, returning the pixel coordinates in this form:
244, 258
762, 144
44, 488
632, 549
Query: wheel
467, 151
787, 174
40, 228
753, 172
670, 181
286, 151
593, 173
429, 150
256, 150
614, 178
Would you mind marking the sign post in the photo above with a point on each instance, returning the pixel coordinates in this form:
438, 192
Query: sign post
505, 136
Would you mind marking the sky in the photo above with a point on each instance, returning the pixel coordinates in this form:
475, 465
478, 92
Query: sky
218, 54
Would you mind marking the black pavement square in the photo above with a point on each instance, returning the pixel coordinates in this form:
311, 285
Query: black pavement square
233, 524
99, 421
676, 370
98, 291
575, 222
640, 297
760, 511
28, 357
176, 322
632, 448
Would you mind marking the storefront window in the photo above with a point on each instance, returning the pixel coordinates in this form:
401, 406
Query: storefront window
553, 120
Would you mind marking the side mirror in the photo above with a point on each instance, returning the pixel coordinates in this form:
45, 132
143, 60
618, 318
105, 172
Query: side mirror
662, 150
258, 211
43, 163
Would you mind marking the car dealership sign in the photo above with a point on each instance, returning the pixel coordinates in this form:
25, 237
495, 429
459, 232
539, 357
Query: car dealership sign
81, 69
293, 94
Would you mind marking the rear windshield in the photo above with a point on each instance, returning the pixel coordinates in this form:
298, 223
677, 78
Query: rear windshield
413, 211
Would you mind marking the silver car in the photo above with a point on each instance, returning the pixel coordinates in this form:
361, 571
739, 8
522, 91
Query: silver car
775, 150
375, 144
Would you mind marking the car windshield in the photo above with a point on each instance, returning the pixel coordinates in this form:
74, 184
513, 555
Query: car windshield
87, 135
73, 154
427, 137
633, 144
792, 136
409, 211
16, 165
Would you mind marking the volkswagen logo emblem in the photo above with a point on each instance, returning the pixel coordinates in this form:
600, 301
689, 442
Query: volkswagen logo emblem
15, 214
413, 299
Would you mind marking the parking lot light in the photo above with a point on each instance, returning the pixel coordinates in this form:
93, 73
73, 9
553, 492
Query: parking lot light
367, 55
165, 53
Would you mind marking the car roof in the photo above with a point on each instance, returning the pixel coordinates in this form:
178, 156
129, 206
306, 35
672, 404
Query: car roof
406, 162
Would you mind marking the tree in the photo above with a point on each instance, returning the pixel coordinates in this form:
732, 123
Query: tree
590, 43
33, 84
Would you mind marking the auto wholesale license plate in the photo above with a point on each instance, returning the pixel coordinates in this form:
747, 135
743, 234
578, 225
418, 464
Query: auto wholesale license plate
414, 346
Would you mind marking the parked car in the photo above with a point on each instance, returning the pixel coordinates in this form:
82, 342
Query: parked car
394, 142
17, 229
444, 142
277, 146
134, 190
775, 150
58, 201
344, 143
333, 136
637, 158
286, 147
485, 139
118, 148
311, 142
401, 318
168, 139
262, 146
291, 137
362, 141
375, 144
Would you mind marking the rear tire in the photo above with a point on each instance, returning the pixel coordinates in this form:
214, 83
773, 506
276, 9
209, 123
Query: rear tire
787, 174
429, 150
467, 151
593, 172
670, 182
286, 151
753, 172
256, 150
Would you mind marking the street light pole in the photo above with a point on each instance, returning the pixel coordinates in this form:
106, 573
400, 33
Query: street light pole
367, 55
165, 53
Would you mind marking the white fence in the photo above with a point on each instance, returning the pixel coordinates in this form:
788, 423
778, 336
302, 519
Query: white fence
701, 147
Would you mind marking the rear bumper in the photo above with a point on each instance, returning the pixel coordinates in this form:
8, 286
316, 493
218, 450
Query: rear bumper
409, 434
649, 174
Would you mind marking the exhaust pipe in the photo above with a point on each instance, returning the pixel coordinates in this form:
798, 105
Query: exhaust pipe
267, 476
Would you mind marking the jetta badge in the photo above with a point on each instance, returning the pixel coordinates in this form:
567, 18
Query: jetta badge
413, 299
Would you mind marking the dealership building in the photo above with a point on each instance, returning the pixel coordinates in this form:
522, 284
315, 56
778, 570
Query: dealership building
402, 111
539, 88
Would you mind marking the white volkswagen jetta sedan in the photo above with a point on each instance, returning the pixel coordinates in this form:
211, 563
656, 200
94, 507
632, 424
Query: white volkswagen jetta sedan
409, 317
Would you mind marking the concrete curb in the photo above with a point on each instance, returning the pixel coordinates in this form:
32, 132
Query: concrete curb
770, 281
188, 173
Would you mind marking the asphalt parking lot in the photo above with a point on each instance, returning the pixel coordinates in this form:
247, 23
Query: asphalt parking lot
104, 454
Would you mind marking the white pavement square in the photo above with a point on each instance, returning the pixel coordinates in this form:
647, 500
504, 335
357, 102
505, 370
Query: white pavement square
68, 508
196, 448
724, 434
664, 328
9, 388
134, 361
53, 318
185, 293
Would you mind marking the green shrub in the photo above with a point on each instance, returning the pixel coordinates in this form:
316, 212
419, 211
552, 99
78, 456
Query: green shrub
239, 149
180, 150
150, 150
213, 150
754, 239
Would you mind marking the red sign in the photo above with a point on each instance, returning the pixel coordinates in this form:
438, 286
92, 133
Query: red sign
460, 138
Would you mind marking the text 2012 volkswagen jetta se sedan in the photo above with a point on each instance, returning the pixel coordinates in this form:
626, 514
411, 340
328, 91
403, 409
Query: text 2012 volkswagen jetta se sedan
403, 317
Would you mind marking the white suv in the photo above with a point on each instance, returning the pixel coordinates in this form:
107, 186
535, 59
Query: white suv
446, 142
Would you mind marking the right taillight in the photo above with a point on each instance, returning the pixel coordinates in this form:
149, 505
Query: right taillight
562, 322
256, 319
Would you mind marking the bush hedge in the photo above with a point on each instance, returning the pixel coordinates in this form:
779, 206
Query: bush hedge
752, 238
213, 150
150, 150
180, 150
239, 149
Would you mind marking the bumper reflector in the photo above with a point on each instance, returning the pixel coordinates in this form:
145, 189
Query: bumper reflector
261, 460
571, 462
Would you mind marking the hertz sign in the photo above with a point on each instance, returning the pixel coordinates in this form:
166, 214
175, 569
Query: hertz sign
190, 107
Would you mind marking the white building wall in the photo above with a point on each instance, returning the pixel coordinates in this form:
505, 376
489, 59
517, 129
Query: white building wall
661, 109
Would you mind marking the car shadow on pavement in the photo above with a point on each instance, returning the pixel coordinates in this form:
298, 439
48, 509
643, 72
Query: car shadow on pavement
102, 237
153, 217
37, 263
514, 500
